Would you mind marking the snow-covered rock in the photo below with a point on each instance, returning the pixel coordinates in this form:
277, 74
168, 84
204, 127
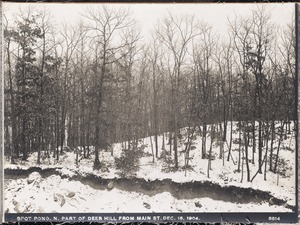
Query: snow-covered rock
34, 176
146, 205
59, 198
21, 207
71, 194
54, 179
17, 206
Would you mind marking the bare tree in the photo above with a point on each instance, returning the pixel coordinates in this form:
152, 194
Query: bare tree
105, 25
262, 34
240, 30
70, 41
176, 34
154, 53
203, 61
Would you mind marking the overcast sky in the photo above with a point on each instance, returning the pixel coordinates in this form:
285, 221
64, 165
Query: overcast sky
216, 14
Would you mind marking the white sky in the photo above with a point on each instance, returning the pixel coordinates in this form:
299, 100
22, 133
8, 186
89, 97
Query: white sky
147, 14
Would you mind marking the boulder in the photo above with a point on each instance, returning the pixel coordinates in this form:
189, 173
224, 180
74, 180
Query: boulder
59, 198
34, 176
54, 179
146, 205
71, 194
110, 185
271, 201
193, 147
23, 207
16, 208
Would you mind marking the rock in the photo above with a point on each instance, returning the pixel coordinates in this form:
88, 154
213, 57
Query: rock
271, 202
35, 176
22, 207
71, 194
59, 198
110, 185
55, 198
16, 208
146, 205
197, 204
63, 201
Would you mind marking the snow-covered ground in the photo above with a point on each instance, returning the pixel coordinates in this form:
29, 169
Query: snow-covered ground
223, 172
54, 194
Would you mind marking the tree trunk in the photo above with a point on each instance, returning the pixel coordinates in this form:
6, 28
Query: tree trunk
152, 149
23, 139
155, 112
253, 141
175, 140
204, 141
278, 148
266, 153
210, 149
260, 145
230, 142
240, 146
14, 145
246, 155
272, 142
170, 141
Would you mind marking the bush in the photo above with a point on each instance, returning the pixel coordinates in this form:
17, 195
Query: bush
167, 163
164, 154
129, 162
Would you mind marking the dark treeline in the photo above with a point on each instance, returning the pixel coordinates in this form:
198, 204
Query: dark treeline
100, 82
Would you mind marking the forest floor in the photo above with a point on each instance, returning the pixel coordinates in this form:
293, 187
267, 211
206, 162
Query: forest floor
69, 187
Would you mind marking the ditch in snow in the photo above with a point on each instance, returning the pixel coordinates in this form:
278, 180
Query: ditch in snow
180, 191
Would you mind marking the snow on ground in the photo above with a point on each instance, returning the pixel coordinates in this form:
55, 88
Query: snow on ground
55, 194
222, 174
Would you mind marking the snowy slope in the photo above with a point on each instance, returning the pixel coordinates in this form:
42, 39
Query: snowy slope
221, 174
